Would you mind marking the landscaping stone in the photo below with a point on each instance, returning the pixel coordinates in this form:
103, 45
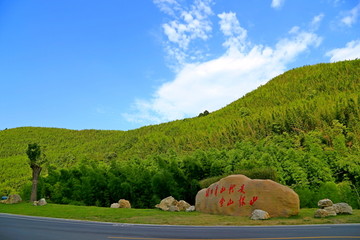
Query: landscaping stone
343, 208
115, 205
182, 205
325, 203
13, 198
166, 203
321, 213
238, 195
258, 214
190, 209
124, 203
174, 209
331, 210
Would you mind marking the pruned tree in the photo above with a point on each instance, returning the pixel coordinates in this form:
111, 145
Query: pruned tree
36, 159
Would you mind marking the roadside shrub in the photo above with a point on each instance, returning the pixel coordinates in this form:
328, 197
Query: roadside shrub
348, 194
329, 190
307, 197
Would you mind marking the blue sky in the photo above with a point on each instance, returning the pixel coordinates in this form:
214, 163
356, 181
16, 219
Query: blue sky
123, 64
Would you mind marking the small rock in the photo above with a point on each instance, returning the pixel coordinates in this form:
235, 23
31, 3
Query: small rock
190, 209
115, 205
182, 205
35, 203
321, 213
124, 203
42, 202
258, 214
331, 210
13, 198
166, 203
343, 208
325, 203
174, 209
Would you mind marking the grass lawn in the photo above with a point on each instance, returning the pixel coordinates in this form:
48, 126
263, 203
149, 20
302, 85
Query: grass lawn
154, 216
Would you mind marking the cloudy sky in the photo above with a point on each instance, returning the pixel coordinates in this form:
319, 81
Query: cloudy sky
87, 64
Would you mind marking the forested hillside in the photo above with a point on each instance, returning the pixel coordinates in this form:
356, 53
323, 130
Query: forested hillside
302, 129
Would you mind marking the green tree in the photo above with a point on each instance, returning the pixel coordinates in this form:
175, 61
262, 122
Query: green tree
36, 159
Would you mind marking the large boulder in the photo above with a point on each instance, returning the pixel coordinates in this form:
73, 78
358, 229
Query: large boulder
342, 208
13, 198
124, 203
238, 195
166, 203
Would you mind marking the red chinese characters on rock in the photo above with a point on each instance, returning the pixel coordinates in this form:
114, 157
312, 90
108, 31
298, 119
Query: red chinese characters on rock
241, 190
253, 200
217, 190
230, 202
222, 201
242, 201
207, 194
232, 188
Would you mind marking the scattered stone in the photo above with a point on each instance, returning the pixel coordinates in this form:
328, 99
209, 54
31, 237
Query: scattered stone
41, 202
190, 209
166, 203
321, 213
330, 210
174, 209
171, 204
13, 198
343, 208
325, 203
115, 205
124, 203
258, 214
238, 195
182, 205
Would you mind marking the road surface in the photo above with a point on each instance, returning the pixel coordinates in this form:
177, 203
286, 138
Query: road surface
17, 227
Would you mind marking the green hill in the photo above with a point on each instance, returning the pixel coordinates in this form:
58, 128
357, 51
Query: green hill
310, 112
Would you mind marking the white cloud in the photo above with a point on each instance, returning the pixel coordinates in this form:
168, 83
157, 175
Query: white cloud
351, 17
351, 51
235, 34
167, 6
277, 3
315, 23
212, 84
188, 24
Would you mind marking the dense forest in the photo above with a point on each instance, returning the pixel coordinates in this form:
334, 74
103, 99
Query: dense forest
301, 129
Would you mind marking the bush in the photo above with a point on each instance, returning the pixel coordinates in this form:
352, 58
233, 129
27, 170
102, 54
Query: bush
329, 190
307, 197
259, 173
348, 194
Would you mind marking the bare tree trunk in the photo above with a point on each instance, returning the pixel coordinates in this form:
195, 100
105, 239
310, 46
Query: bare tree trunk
36, 172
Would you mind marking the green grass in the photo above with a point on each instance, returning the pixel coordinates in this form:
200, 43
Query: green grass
154, 216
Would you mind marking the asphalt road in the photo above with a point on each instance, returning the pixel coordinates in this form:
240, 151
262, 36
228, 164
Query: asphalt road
15, 227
